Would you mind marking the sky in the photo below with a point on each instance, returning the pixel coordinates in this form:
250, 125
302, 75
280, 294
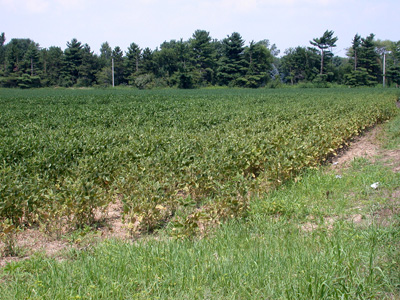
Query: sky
148, 23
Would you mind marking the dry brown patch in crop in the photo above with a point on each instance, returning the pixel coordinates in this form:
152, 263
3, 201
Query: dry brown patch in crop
32, 240
111, 221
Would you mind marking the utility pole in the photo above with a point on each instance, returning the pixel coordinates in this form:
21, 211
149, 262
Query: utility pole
112, 71
384, 68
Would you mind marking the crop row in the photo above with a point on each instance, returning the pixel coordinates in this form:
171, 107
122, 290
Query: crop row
170, 155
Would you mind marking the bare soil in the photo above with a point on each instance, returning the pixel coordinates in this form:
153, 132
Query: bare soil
369, 146
33, 240
366, 145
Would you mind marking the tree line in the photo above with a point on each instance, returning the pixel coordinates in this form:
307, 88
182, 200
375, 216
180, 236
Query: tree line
200, 61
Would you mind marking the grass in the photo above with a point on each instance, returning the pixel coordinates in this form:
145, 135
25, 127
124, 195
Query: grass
394, 134
275, 260
298, 242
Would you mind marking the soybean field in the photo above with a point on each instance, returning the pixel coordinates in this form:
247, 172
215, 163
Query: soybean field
168, 156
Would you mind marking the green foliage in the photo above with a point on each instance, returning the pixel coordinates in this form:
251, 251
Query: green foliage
119, 66
204, 56
87, 70
9, 82
368, 59
200, 61
145, 81
297, 242
185, 81
52, 62
2, 52
300, 64
393, 132
133, 59
232, 64
366, 70
66, 153
327, 41
19, 53
104, 77
73, 56
26, 81
393, 59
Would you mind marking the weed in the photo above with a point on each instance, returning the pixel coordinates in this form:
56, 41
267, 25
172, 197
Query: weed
8, 235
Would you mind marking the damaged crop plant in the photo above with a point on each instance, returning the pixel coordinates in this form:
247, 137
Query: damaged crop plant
170, 157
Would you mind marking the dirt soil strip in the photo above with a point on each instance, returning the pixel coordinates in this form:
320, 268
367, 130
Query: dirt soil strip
366, 145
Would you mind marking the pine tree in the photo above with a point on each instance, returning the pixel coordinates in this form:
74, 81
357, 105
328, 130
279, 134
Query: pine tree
368, 60
72, 62
32, 59
394, 63
358, 76
323, 43
2, 52
356, 48
367, 70
259, 60
105, 55
232, 65
133, 60
16, 51
89, 67
52, 64
204, 56
119, 66
148, 63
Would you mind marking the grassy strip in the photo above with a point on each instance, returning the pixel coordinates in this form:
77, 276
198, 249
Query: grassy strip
274, 254
393, 134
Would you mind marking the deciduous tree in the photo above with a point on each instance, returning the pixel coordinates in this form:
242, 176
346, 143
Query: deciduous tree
300, 64
259, 61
